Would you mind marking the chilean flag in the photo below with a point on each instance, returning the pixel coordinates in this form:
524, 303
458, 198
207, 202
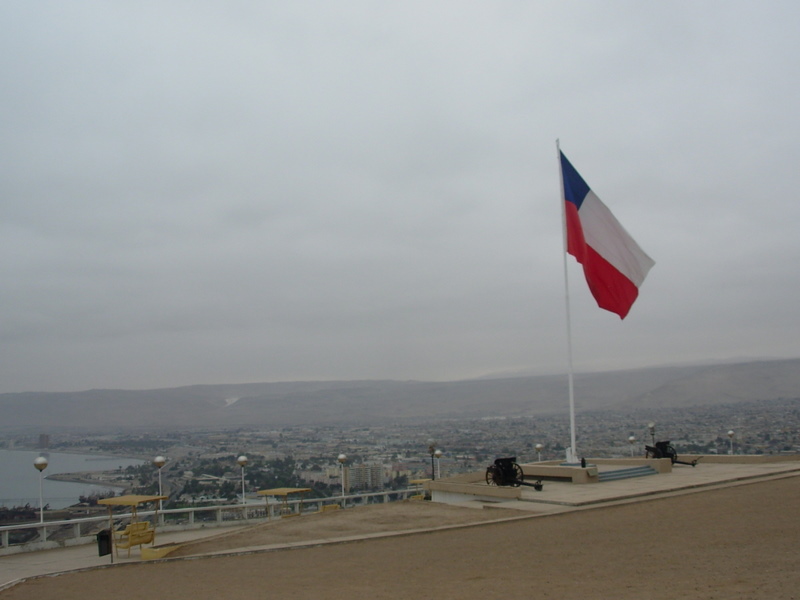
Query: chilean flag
613, 263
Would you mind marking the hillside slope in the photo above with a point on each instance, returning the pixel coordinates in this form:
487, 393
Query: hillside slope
356, 402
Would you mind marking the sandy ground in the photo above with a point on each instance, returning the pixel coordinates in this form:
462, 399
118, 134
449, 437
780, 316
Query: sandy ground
731, 543
361, 521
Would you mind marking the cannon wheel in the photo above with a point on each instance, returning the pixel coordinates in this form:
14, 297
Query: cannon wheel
490, 475
518, 475
494, 476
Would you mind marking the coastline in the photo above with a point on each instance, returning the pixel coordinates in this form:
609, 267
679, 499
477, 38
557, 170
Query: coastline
85, 477
65, 478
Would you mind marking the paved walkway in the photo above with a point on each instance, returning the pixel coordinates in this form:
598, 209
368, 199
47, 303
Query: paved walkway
556, 497
44, 562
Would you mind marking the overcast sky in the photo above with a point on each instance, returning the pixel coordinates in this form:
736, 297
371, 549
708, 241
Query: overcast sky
224, 192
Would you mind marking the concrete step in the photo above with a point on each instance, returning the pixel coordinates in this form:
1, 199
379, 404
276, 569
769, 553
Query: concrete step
627, 473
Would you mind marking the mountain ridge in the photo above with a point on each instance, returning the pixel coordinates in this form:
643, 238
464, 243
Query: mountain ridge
276, 404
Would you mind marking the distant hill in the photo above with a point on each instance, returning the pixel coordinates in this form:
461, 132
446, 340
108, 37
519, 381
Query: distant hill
368, 402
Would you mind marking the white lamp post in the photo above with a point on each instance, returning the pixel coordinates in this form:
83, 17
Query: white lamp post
438, 455
632, 441
41, 464
652, 427
160, 461
242, 460
730, 435
342, 458
539, 448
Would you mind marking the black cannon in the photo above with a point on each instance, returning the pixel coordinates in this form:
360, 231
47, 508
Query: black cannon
506, 472
665, 450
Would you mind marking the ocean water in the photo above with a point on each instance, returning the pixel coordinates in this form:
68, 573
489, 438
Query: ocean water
19, 479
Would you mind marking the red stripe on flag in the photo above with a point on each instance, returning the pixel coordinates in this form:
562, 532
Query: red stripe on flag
576, 243
612, 290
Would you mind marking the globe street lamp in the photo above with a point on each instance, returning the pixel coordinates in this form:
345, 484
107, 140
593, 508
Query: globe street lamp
160, 461
438, 455
41, 464
730, 435
539, 448
652, 427
632, 441
342, 458
242, 460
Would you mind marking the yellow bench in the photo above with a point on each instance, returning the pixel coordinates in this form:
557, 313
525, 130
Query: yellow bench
135, 534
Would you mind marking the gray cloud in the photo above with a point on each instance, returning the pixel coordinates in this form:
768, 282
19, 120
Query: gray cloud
203, 193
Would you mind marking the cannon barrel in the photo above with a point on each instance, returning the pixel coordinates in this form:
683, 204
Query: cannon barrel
665, 450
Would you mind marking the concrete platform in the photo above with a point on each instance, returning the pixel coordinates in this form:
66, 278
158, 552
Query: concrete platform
556, 497
562, 491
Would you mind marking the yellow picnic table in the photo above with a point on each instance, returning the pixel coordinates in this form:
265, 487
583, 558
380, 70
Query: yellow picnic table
136, 532
284, 494
419, 483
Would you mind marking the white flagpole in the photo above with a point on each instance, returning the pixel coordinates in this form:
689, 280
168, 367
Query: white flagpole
572, 452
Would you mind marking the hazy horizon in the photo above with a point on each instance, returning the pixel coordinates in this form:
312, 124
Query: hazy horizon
486, 376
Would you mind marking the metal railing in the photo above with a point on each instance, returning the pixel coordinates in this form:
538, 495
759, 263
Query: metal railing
29, 537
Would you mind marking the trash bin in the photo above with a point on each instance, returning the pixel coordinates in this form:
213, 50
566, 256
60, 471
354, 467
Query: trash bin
104, 542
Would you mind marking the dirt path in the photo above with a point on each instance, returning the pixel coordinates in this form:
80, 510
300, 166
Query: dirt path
733, 543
